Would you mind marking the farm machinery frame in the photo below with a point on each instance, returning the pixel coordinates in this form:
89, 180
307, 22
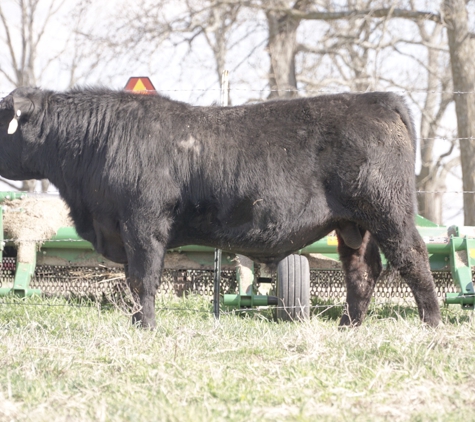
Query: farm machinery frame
451, 256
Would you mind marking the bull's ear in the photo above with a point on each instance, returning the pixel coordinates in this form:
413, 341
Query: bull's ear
23, 106
25, 100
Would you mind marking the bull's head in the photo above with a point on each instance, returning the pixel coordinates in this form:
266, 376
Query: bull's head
16, 110
18, 105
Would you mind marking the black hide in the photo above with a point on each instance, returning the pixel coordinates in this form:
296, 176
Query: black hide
142, 173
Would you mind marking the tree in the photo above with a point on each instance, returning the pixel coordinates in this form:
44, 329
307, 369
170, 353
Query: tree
22, 44
351, 44
431, 180
463, 76
282, 47
356, 40
146, 27
25, 26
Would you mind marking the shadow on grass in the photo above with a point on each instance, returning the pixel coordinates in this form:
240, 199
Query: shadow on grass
325, 309
332, 310
389, 310
455, 315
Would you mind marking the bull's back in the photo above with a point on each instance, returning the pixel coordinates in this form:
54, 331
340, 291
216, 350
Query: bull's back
277, 173
296, 148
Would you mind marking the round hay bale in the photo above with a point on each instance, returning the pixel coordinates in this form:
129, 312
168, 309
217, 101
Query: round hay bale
30, 221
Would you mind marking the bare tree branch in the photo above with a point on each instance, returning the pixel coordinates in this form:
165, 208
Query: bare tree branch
13, 56
346, 14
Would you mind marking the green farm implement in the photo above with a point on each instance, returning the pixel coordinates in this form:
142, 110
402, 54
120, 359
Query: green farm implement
63, 263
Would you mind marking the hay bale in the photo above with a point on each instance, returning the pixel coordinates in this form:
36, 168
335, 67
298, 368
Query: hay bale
30, 221
323, 262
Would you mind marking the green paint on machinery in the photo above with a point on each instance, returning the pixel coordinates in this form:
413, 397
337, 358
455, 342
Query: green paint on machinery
451, 251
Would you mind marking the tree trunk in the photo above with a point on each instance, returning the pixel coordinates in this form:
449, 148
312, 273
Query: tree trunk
463, 75
282, 48
428, 182
282, 43
218, 29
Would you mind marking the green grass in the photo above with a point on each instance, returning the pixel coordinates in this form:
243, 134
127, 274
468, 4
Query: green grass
65, 363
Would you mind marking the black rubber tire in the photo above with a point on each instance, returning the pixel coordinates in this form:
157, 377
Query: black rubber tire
293, 289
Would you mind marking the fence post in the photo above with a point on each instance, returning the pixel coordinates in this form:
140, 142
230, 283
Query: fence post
218, 252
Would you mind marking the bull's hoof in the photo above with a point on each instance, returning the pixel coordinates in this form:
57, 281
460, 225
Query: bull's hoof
347, 322
141, 321
433, 321
429, 312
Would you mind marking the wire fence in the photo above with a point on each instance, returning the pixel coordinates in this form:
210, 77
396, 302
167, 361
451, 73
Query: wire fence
302, 90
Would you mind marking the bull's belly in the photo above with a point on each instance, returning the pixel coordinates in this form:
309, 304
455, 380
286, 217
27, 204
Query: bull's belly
266, 246
282, 220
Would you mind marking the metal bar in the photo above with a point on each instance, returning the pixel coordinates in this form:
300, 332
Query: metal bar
240, 301
21, 283
461, 273
233, 301
424, 222
2, 243
224, 88
461, 270
245, 283
326, 245
218, 252
192, 248
11, 195
454, 244
5, 291
69, 239
467, 302
217, 282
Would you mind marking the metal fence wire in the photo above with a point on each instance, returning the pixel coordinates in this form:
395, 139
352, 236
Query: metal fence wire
103, 282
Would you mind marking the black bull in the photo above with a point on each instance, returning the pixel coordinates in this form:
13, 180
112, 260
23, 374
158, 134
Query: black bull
144, 173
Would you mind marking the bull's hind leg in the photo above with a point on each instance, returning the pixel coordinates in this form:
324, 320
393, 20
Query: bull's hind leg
362, 268
407, 253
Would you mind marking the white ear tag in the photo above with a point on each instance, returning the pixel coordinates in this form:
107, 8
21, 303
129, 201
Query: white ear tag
13, 126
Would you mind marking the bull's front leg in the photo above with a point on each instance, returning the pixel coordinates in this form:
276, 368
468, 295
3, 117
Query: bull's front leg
144, 268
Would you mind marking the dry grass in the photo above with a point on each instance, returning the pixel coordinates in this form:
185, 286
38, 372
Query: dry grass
80, 363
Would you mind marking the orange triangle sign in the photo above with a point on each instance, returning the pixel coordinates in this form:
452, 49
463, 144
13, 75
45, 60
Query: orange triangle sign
140, 85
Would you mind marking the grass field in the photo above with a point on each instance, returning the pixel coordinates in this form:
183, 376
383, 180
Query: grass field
72, 363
